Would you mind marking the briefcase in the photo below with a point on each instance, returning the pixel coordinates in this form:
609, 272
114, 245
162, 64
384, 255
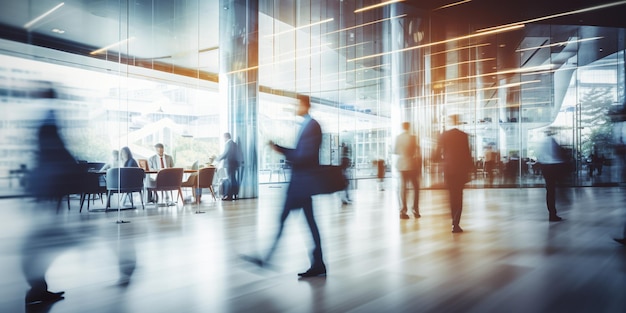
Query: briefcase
329, 179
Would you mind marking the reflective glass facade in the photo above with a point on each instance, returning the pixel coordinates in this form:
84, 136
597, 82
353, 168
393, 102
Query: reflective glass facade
137, 73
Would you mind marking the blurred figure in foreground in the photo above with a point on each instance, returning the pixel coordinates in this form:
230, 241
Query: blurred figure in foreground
551, 158
56, 174
453, 149
408, 165
345, 166
304, 159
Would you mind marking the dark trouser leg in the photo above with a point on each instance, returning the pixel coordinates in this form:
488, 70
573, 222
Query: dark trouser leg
405, 176
279, 232
549, 175
232, 182
416, 192
455, 189
316, 254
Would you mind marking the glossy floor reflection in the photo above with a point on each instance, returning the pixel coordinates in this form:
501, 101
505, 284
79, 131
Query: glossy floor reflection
509, 259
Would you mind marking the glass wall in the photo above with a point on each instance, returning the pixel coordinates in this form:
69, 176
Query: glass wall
134, 74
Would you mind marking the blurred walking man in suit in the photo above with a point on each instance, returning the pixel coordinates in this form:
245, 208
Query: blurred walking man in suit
304, 159
453, 149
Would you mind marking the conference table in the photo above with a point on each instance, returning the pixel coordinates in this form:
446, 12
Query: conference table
103, 175
186, 171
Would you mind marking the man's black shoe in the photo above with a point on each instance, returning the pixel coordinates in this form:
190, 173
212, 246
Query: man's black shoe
254, 260
314, 272
33, 297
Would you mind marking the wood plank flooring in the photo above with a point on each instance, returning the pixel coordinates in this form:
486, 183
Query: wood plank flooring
509, 259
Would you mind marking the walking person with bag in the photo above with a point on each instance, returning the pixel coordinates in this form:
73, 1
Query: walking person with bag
305, 182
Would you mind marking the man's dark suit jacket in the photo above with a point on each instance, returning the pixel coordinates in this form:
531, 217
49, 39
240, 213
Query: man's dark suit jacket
304, 160
230, 155
454, 148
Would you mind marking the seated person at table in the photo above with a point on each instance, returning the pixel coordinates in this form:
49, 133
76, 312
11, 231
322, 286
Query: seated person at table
113, 162
126, 158
160, 160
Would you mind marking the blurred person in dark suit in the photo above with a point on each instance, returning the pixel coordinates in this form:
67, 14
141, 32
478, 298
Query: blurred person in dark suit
230, 156
304, 160
56, 174
453, 149
551, 158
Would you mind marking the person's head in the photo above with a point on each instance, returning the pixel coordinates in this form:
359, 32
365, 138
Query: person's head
227, 136
406, 126
115, 154
159, 149
125, 154
304, 105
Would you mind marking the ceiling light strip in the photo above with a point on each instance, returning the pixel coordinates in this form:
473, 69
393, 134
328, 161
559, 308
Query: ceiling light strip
364, 24
534, 69
376, 6
40, 17
460, 48
451, 5
111, 46
480, 89
301, 27
515, 27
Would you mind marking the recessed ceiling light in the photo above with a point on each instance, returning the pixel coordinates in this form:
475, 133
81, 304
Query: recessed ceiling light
58, 31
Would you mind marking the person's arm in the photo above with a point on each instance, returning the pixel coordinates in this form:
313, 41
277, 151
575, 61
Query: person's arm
152, 163
226, 151
436, 157
307, 148
170, 161
132, 163
396, 149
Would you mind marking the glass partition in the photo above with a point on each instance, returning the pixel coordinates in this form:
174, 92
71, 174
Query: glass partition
147, 72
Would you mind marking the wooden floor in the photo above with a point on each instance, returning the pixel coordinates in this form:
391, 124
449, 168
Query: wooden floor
509, 259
